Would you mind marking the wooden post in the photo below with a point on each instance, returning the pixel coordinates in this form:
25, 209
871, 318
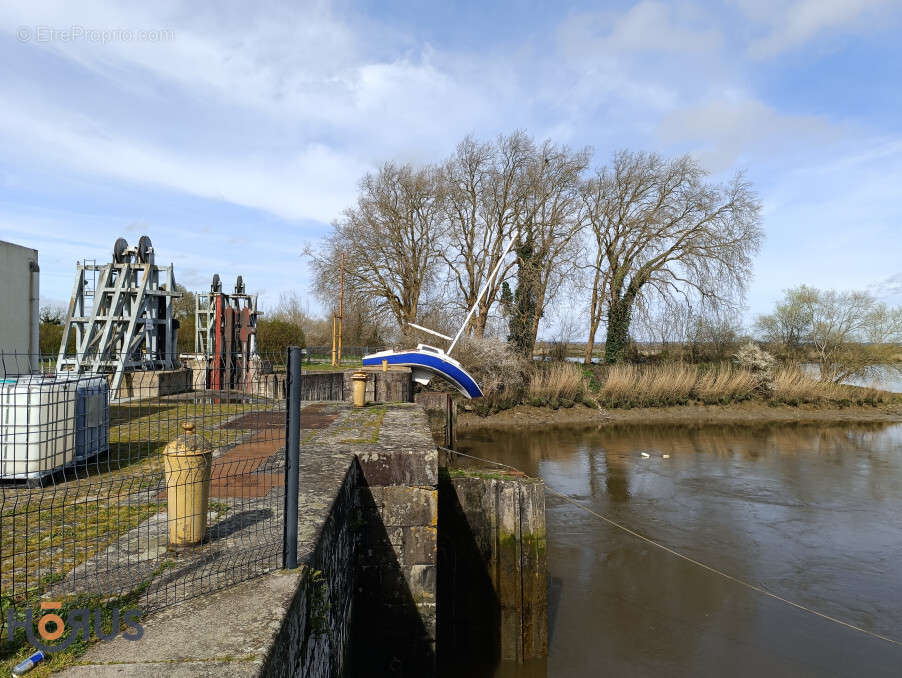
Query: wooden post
333, 339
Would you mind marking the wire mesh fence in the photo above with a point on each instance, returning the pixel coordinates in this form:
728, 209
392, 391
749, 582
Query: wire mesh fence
349, 354
157, 492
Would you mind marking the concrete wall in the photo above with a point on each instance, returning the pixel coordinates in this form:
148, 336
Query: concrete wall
392, 386
19, 304
154, 383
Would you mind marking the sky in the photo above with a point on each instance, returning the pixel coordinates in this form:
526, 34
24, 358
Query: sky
234, 136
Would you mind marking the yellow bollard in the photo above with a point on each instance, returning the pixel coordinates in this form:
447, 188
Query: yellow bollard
359, 392
188, 460
385, 366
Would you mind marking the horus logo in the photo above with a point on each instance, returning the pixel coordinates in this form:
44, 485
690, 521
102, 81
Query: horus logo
51, 626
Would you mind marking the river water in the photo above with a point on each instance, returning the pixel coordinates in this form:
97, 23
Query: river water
812, 513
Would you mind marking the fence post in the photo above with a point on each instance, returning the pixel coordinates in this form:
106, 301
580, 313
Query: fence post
292, 455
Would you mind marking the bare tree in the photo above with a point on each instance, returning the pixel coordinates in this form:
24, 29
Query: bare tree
661, 228
790, 323
484, 185
389, 239
549, 224
665, 322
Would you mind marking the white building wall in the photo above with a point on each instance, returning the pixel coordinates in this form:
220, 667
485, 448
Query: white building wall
19, 304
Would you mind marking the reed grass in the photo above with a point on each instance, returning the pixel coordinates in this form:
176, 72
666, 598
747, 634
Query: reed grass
660, 385
674, 384
629, 385
559, 383
793, 386
725, 383
668, 384
620, 384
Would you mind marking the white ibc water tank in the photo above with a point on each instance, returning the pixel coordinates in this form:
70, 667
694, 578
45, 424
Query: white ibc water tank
37, 425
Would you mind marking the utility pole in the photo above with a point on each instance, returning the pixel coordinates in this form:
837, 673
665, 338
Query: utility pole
341, 304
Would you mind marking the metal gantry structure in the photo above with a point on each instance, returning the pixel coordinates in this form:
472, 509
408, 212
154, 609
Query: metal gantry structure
130, 324
226, 334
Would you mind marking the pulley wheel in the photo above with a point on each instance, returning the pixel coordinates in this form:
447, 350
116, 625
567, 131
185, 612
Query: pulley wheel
144, 249
119, 250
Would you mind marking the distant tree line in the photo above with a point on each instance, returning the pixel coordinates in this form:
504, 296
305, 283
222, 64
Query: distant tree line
846, 334
641, 233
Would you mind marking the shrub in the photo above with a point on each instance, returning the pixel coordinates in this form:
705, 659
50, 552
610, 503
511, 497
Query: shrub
759, 362
494, 366
274, 336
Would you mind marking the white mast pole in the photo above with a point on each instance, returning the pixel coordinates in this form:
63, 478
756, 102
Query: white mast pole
482, 291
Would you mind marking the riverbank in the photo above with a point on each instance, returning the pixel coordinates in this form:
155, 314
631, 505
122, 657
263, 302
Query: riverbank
747, 412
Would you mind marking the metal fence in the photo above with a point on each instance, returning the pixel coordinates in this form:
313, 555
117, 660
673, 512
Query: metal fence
102, 493
349, 354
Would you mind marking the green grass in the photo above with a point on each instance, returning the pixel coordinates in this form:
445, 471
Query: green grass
328, 367
48, 539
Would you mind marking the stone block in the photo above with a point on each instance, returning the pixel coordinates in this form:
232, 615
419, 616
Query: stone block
420, 545
421, 580
405, 506
399, 467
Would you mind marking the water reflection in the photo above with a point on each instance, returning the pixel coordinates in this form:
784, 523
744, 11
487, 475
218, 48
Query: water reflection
809, 511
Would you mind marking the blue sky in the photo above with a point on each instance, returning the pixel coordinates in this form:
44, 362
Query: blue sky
234, 136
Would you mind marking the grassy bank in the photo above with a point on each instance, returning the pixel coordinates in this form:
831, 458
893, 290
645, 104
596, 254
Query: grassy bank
565, 385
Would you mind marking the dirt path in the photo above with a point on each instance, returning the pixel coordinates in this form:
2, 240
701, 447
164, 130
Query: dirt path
739, 413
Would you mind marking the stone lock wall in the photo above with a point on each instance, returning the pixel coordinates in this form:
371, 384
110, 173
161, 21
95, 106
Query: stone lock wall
395, 598
314, 640
492, 562
366, 604
363, 602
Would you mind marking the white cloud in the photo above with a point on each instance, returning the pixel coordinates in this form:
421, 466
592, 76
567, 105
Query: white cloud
647, 26
890, 287
789, 25
285, 113
313, 182
734, 127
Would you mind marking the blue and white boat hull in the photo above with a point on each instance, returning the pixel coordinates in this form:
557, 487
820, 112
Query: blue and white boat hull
426, 362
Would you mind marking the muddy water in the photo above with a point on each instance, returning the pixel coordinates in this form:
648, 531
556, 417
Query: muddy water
812, 513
